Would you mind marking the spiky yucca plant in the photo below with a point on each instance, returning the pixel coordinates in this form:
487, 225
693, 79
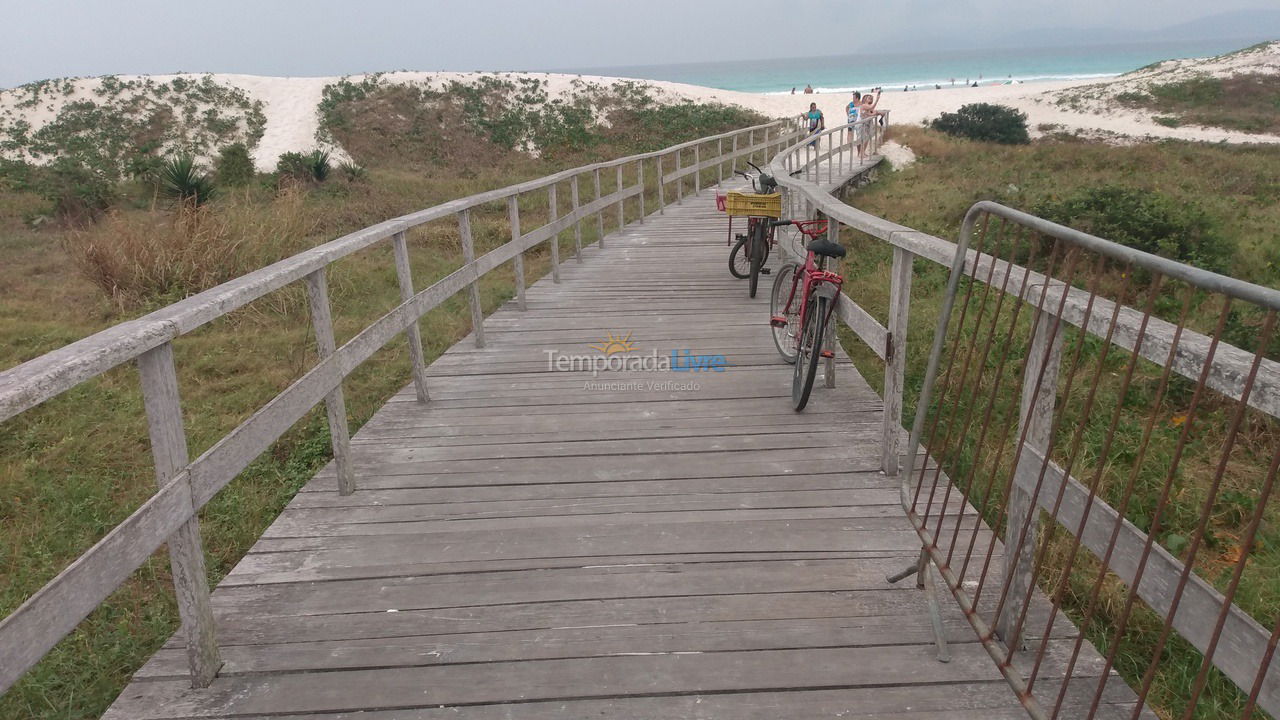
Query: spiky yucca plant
182, 180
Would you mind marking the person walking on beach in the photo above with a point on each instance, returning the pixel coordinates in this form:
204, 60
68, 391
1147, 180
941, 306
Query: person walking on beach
817, 123
793, 90
808, 89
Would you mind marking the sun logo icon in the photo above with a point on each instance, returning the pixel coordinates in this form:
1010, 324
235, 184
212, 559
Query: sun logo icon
613, 344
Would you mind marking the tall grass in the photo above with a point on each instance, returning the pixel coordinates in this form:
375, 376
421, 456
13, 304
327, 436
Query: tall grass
1232, 186
154, 256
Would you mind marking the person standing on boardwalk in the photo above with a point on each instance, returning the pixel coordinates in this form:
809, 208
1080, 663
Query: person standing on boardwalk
853, 111
817, 123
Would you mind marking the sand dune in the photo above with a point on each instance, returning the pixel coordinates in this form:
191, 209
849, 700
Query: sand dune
290, 104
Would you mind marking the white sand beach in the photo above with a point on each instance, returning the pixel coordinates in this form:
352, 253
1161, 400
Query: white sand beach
290, 103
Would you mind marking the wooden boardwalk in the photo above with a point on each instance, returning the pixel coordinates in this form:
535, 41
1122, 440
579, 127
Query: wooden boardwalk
529, 545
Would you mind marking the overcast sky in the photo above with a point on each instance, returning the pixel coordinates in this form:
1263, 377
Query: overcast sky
53, 38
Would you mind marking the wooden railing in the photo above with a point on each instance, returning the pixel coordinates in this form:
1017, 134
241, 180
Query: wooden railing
1036, 475
186, 485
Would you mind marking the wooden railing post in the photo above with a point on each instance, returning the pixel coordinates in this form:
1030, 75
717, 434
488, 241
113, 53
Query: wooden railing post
679, 180
719, 161
697, 169
640, 182
895, 353
733, 161
831, 162
662, 197
1035, 425
600, 212
186, 554
751, 145
622, 221
334, 404
400, 246
513, 213
473, 290
829, 342
577, 223
552, 216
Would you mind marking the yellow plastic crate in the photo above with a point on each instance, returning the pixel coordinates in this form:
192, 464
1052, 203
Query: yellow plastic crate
751, 204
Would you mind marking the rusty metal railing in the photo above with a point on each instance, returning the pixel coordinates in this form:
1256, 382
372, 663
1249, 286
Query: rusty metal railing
1093, 463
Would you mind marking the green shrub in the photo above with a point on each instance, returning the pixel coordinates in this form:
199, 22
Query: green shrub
1146, 220
182, 180
987, 123
353, 172
234, 167
75, 191
311, 167
318, 165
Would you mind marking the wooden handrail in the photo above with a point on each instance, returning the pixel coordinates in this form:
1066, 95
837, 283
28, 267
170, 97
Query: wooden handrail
28, 633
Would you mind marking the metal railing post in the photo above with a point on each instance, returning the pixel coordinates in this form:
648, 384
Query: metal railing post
186, 554
513, 213
895, 353
577, 223
473, 289
400, 247
1035, 425
334, 404
553, 215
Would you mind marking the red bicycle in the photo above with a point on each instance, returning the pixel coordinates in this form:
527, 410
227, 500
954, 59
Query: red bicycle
803, 300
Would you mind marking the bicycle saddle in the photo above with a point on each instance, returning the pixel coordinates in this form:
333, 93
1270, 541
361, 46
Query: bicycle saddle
825, 248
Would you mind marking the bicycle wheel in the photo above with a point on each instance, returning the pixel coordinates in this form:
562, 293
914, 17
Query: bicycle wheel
758, 245
784, 304
739, 263
808, 353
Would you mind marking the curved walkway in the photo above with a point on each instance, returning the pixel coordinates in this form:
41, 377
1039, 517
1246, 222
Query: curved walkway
538, 543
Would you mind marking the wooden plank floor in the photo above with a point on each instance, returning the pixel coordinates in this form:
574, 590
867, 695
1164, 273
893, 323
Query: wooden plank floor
528, 546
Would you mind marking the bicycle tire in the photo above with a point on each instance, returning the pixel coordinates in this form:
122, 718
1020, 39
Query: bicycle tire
809, 352
785, 290
739, 263
758, 246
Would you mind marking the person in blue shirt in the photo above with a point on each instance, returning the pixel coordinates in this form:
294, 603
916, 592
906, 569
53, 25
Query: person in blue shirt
854, 110
817, 123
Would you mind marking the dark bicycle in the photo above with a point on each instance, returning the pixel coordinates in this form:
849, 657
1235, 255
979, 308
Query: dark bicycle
751, 250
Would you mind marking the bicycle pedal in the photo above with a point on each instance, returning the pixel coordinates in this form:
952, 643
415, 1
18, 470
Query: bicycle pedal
778, 321
764, 271
828, 353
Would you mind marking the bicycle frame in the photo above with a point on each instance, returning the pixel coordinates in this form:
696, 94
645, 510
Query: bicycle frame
817, 279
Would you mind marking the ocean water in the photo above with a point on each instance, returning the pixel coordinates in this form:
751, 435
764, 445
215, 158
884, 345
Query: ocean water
924, 70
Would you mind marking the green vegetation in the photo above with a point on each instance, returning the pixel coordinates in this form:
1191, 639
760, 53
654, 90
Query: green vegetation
234, 166
496, 119
110, 125
1248, 102
182, 181
73, 468
1148, 220
1209, 204
986, 123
